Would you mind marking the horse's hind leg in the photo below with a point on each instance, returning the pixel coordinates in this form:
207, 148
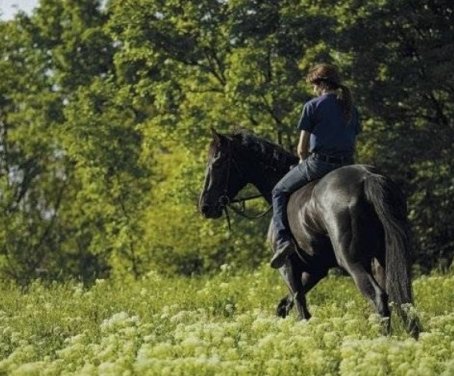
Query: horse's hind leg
379, 273
362, 275
371, 290
354, 252
412, 323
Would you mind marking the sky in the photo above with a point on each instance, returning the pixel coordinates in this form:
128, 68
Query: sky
8, 8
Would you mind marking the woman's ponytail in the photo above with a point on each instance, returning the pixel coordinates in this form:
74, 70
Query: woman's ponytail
346, 100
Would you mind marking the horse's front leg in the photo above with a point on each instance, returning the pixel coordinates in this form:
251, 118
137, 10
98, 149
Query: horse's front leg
291, 272
292, 277
299, 284
284, 306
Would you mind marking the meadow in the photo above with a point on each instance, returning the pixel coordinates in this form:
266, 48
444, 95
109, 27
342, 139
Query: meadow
219, 325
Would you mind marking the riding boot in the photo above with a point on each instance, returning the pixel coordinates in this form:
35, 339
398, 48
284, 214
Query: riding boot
283, 251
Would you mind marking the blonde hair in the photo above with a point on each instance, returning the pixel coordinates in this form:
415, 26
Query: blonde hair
326, 76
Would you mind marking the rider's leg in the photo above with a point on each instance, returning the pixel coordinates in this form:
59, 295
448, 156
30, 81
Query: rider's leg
293, 180
304, 172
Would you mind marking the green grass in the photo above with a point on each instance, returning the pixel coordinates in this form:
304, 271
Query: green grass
223, 325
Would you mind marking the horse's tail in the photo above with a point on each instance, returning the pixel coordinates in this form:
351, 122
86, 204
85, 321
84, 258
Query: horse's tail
390, 207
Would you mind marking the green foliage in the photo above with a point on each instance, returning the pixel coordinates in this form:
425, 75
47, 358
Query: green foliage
402, 80
105, 115
223, 325
31, 186
190, 245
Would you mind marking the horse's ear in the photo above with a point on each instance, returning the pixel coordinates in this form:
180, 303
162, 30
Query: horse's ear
218, 137
215, 134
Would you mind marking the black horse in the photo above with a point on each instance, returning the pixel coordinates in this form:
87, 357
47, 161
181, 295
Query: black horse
353, 217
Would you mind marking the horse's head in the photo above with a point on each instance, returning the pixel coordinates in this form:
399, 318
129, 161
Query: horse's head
223, 177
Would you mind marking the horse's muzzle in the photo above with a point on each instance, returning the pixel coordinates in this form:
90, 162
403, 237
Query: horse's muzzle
211, 211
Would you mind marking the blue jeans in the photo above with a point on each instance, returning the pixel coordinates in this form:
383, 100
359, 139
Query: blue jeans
310, 169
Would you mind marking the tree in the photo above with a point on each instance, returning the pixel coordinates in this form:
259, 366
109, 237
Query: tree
403, 84
105, 117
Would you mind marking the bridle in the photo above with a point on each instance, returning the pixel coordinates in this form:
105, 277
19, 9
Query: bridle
226, 203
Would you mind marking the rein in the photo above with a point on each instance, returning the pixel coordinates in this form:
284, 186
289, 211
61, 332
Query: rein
227, 204
242, 210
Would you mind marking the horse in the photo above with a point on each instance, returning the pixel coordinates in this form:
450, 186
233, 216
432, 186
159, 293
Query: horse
353, 217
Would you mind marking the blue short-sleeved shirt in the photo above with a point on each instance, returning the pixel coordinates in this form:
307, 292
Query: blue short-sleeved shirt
322, 117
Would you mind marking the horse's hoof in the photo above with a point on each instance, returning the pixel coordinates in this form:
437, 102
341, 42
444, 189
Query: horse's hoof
281, 312
284, 307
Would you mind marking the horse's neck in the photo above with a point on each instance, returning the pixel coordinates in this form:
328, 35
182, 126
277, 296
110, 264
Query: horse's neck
264, 176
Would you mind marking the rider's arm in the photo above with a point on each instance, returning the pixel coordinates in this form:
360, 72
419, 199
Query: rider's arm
303, 145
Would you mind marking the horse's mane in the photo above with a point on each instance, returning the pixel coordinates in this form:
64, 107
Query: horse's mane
268, 152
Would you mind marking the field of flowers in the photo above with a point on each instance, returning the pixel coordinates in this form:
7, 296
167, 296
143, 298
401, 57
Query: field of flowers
223, 325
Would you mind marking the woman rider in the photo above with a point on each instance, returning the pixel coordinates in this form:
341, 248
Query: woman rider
329, 125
